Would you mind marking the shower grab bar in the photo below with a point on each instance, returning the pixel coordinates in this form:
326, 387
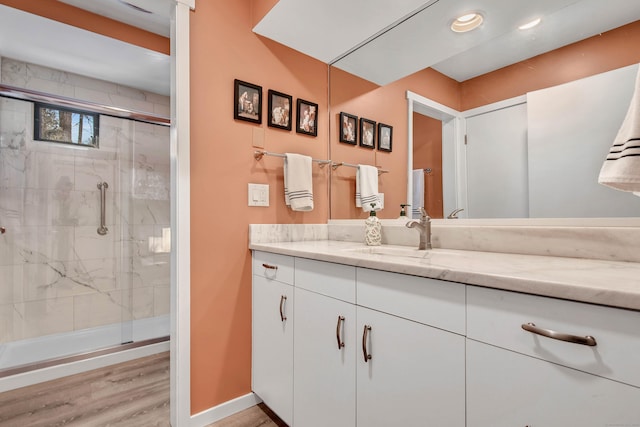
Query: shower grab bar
102, 186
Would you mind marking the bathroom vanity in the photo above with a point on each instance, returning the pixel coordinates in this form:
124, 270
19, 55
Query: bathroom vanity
350, 335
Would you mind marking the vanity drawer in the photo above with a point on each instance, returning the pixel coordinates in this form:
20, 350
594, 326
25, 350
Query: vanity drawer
326, 278
496, 317
429, 301
273, 266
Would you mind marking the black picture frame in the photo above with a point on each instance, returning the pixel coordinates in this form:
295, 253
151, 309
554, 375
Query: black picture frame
367, 133
348, 128
306, 117
385, 137
279, 113
246, 96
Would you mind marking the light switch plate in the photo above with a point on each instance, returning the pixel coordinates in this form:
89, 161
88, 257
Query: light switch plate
258, 194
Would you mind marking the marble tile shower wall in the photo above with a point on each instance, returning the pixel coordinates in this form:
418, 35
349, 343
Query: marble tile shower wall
56, 273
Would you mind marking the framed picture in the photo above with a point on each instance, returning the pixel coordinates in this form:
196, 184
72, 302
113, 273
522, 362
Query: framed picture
307, 122
348, 128
247, 101
367, 133
279, 114
385, 137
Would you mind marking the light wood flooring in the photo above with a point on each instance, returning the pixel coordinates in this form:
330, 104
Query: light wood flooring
130, 394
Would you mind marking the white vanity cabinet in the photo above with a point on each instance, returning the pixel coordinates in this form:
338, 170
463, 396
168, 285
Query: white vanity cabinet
272, 338
410, 370
324, 345
519, 378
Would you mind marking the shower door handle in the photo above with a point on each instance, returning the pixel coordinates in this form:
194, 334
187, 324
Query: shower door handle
102, 186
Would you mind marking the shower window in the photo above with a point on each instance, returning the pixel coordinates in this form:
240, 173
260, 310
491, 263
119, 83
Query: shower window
65, 125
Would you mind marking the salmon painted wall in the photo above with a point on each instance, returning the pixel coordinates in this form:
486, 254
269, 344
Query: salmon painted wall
605, 52
80, 18
427, 153
224, 48
386, 104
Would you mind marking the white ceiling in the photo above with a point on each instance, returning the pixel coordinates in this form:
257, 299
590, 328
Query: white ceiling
30, 38
401, 38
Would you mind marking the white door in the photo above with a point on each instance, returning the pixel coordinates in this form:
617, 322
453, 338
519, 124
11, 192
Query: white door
415, 376
507, 389
272, 353
497, 171
324, 361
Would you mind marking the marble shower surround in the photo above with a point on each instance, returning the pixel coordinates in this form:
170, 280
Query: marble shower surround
56, 273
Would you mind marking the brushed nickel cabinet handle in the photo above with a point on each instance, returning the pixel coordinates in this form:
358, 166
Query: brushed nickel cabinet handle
366, 354
575, 339
340, 342
283, 298
270, 267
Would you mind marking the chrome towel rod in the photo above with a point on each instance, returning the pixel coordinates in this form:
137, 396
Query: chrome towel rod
259, 154
335, 166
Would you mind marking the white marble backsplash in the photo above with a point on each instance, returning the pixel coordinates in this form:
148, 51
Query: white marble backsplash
604, 243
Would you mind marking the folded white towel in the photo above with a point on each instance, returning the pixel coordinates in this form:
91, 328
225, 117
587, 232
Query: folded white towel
621, 169
367, 188
298, 183
418, 193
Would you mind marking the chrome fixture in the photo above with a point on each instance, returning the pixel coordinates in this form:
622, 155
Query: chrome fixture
424, 226
454, 214
102, 186
575, 339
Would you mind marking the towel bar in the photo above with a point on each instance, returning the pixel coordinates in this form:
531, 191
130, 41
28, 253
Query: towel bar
259, 154
335, 166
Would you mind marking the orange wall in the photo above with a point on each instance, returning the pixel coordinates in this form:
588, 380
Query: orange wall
605, 52
386, 104
223, 48
80, 18
427, 153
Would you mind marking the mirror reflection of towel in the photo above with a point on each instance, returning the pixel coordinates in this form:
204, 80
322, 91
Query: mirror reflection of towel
418, 193
621, 169
367, 188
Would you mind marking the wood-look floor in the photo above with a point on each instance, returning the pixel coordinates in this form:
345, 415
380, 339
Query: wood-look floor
130, 394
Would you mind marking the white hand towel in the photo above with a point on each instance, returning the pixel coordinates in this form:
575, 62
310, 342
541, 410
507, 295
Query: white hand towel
298, 183
418, 193
367, 187
621, 169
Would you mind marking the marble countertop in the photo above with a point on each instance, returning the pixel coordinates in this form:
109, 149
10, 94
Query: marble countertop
611, 283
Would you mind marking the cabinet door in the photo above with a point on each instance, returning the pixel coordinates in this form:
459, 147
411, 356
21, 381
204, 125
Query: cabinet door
324, 372
272, 340
508, 389
415, 376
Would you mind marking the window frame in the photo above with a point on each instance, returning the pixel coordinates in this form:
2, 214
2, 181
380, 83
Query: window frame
37, 136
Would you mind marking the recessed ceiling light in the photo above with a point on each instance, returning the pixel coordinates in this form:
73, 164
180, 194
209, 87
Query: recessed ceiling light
530, 24
467, 22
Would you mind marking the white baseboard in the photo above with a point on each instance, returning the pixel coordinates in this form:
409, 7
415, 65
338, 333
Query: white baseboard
54, 372
224, 410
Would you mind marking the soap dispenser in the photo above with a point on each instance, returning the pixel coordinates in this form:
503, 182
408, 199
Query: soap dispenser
403, 212
373, 229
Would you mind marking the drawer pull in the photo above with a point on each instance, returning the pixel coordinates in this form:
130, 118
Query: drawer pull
270, 267
340, 342
366, 354
283, 298
588, 340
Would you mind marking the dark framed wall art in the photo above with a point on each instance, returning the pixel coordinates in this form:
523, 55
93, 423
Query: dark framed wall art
367, 133
385, 137
247, 101
307, 117
279, 112
348, 128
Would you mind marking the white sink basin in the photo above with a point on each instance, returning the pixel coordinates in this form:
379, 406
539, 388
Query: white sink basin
398, 251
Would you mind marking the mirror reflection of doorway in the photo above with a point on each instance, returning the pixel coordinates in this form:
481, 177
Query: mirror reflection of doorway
427, 161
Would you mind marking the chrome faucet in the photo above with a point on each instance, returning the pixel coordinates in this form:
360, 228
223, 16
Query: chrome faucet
454, 214
424, 226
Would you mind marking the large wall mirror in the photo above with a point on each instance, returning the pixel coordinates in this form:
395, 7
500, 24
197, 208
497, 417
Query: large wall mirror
512, 92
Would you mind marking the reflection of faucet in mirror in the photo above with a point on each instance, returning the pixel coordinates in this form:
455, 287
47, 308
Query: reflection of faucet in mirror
424, 227
454, 214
